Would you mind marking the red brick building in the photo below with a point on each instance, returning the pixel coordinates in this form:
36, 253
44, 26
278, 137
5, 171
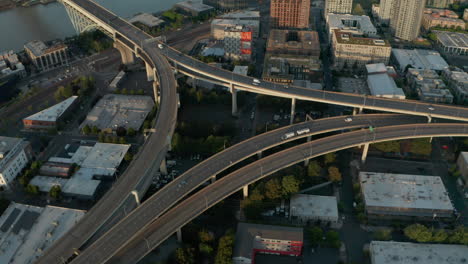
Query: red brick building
290, 13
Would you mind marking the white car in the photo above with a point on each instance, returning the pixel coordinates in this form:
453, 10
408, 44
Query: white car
160, 46
431, 108
256, 82
348, 119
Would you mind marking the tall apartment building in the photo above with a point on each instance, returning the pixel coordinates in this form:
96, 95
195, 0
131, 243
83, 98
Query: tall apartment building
44, 57
385, 11
406, 18
14, 155
338, 6
439, 3
290, 13
227, 5
238, 43
355, 52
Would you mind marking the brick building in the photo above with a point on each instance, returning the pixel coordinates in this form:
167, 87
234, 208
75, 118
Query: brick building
290, 13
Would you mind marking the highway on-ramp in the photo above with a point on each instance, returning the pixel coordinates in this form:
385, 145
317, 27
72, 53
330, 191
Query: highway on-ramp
167, 197
165, 226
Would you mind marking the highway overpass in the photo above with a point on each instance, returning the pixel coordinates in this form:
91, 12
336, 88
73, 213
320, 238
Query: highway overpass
165, 226
176, 190
118, 201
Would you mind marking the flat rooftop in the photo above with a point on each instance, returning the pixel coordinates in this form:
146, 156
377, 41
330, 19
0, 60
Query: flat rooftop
314, 205
105, 157
197, 6
115, 110
7, 144
382, 85
37, 47
27, 231
54, 112
147, 20
234, 22
419, 59
404, 191
242, 70
362, 24
294, 39
452, 39
344, 37
376, 68
389, 252
244, 14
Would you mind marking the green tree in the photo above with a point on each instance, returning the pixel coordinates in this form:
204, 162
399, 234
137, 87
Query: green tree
224, 252
333, 239
314, 234
32, 189
131, 132
388, 146
432, 36
418, 233
115, 140
290, 185
55, 191
102, 137
86, 130
205, 249
358, 10
128, 156
383, 234
273, 189
313, 170
459, 236
185, 256
421, 146
204, 236
95, 130
122, 140
330, 158
439, 236
334, 174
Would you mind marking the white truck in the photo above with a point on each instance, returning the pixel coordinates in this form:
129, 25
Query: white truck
256, 82
288, 135
303, 131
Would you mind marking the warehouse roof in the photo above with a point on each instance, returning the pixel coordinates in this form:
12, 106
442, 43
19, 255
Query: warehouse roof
54, 112
419, 59
314, 205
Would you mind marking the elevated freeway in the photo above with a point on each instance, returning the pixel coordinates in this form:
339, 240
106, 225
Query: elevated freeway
118, 201
165, 226
167, 197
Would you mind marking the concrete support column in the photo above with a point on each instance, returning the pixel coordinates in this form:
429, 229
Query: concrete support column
234, 99
194, 83
245, 191
213, 179
179, 235
156, 91
306, 162
137, 198
127, 55
149, 72
364, 153
259, 154
293, 110
163, 167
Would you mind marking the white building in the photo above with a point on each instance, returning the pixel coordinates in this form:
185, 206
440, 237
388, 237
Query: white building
406, 18
147, 20
381, 84
15, 153
218, 26
385, 11
404, 195
314, 207
26, 231
238, 43
338, 6
50, 117
357, 25
389, 252
418, 59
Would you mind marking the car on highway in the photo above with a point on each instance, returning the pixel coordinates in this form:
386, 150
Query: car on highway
288, 135
160, 46
303, 131
431, 108
348, 119
256, 82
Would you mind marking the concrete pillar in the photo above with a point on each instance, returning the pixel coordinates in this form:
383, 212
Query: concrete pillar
245, 191
137, 198
213, 179
234, 99
429, 119
127, 55
259, 154
355, 111
306, 162
293, 110
163, 167
149, 72
194, 83
155, 91
179, 235
364, 153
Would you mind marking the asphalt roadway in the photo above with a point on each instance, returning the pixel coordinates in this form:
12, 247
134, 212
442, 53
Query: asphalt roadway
157, 204
165, 226
111, 207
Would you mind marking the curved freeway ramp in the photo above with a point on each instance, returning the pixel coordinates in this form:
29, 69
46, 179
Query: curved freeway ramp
167, 225
164, 199
246, 83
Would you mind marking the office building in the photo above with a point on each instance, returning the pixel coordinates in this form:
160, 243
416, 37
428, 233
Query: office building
147, 20
10, 65
290, 13
386, 10
293, 42
418, 59
228, 5
452, 42
441, 12
435, 20
401, 195
219, 26
338, 7
46, 57
429, 86
458, 84
51, 117
356, 25
304, 208
252, 239
465, 14
238, 43
439, 3
381, 84
194, 8
390, 252
354, 53
115, 110
287, 68
15, 153
406, 19
27, 231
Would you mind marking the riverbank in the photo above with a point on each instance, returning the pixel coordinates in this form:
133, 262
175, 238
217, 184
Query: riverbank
9, 4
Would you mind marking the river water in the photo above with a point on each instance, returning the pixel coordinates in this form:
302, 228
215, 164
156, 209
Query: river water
21, 25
